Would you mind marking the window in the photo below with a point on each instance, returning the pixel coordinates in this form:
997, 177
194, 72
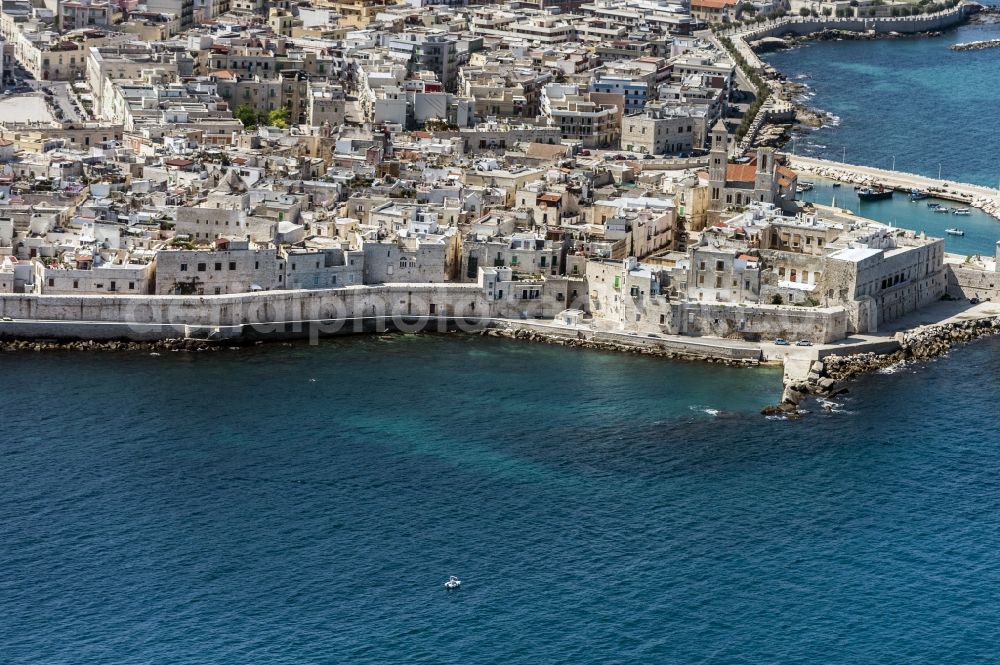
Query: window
111, 287
256, 265
184, 267
232, 265
201, 267
218, 266
720, 266
131, 286
52, 282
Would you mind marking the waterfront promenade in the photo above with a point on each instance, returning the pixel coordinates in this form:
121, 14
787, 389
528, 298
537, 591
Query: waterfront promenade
984, 198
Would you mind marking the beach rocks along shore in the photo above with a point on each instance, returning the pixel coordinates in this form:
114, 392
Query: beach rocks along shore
825, 376
658, 350
976, 46
14, 345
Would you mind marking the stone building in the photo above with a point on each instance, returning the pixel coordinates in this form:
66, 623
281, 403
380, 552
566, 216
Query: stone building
735, 186
229, 267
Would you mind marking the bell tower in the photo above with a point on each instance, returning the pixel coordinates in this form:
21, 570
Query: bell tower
718, 158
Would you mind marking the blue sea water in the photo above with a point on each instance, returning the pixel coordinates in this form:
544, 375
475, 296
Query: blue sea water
304, 505
908, 98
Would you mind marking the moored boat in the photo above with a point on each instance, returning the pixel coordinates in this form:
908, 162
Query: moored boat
931, 204
942, 209
961, 211
879, 193
955, 232
917, 195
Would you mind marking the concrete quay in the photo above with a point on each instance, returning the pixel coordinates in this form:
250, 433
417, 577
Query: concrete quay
986, 199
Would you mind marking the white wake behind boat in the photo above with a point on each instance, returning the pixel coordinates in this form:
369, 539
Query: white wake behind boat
452, 583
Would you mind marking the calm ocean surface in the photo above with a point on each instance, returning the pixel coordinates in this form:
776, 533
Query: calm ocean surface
304, 505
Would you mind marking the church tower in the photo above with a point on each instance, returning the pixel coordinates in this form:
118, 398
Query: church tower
718, 158
764, 178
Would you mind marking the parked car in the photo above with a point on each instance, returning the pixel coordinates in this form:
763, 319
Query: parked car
973, 301
648, 157
781, 341
803, 342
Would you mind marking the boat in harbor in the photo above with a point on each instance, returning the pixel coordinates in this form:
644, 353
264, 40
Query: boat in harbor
931, 204
879, 193
804, 187
917, 195
961, 211
944, 210
836, 184
955, 232
452, 583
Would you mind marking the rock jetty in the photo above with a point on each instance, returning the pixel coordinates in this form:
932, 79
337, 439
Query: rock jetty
15, 345
658, 350
976, 46
825, 376
989, 205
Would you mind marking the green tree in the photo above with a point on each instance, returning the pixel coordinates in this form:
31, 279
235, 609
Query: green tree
278, 118
827, 11
247, 115
803, 11
776, 299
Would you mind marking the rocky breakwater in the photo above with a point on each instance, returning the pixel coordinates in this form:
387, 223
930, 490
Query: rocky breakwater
989, 205
976, 46
658, 350
826, 376
16, 345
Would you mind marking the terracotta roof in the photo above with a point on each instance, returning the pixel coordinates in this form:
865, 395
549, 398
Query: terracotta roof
713, 4
741, 172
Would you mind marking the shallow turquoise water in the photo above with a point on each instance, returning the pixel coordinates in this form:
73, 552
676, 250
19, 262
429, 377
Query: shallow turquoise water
982, 231
303, 504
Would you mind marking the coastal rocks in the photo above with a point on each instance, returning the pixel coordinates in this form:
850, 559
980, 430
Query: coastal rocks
191, 345
766, 44
659, 350
976, 46
824, 376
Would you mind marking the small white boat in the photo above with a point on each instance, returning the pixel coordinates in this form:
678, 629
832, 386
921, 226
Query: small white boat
942, 210
452, 583
961, 211
955, 232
